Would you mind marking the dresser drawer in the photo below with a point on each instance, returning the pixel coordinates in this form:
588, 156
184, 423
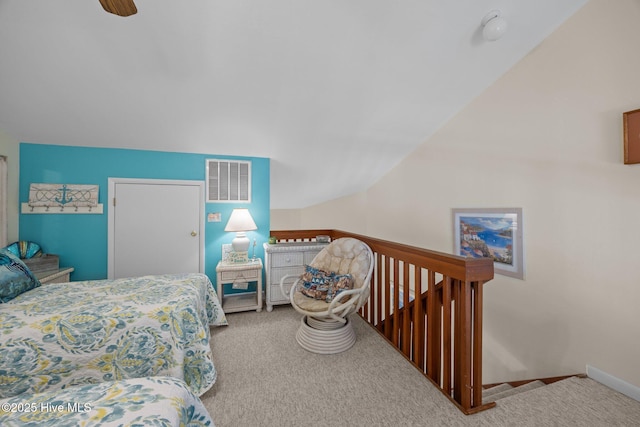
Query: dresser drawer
248, 275
276, 292
286, 259
280, 272
309, 256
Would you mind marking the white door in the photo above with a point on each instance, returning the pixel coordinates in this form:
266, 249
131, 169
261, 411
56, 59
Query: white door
155, 227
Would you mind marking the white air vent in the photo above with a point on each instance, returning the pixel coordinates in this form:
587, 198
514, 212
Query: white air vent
228, 181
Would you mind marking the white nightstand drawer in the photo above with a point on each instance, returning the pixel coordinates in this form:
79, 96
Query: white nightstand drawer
240, 275
286, 259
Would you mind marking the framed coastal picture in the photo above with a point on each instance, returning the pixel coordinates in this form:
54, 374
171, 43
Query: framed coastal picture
494, 233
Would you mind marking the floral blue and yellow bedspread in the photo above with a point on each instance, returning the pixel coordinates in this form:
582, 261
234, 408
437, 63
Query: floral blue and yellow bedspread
67, 334
157, 401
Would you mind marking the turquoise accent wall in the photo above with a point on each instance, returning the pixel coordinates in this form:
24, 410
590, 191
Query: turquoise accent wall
81, 239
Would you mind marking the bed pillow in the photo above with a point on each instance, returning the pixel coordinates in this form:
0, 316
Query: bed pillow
15, 277
323, 285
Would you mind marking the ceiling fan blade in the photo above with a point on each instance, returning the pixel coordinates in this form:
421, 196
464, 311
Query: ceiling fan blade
119, 7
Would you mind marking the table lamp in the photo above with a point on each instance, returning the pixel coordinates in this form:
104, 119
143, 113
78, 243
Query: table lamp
240, 221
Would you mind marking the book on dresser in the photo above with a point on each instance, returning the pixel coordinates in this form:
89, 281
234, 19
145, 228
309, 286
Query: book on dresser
283, 259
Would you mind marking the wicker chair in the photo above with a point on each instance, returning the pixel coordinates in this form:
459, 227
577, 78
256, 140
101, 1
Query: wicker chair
325, 327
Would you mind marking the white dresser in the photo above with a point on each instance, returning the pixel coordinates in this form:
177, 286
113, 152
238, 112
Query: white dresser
282, 259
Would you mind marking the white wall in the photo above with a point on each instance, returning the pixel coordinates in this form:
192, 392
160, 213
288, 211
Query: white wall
11, 148
546, 137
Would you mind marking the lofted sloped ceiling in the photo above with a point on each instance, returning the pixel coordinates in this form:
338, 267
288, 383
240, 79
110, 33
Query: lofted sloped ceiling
335, 92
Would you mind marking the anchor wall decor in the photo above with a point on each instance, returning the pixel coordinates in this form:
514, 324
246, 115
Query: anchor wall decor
62, 198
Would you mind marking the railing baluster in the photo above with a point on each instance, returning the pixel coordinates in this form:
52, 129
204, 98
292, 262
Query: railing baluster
406, 317
418, 319
388, 321
477, 343
444, 301
379, 292
433, 334
462, 350
395, 338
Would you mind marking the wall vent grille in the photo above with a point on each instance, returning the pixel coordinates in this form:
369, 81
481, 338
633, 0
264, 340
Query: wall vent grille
228, 181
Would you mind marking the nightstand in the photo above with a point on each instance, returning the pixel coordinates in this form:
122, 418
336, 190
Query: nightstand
228, 273
55, 276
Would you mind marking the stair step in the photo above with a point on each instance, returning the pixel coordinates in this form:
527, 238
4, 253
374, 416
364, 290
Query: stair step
510, 392
496, 389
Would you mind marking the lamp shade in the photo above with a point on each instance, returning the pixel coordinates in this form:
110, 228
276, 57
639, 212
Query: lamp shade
240, 221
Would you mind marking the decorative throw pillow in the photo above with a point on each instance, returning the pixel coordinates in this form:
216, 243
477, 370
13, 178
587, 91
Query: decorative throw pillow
15, 277
341, 283
24, 249
323, 285
315, 282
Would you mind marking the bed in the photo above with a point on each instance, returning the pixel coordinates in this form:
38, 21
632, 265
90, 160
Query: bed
157, 401
61, 335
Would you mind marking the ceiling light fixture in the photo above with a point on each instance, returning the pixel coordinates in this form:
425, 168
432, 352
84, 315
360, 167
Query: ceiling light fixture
494, 25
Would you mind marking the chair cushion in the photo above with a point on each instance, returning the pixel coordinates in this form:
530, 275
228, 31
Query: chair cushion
315, 305
345, 256
323, 285
15, 277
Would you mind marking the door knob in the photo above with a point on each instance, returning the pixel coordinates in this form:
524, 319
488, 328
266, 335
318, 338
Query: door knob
194, 234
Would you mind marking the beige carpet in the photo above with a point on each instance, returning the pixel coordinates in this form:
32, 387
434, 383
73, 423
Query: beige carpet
266, 379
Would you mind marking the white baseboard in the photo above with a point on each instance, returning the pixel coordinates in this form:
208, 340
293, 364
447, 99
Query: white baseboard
615, 383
